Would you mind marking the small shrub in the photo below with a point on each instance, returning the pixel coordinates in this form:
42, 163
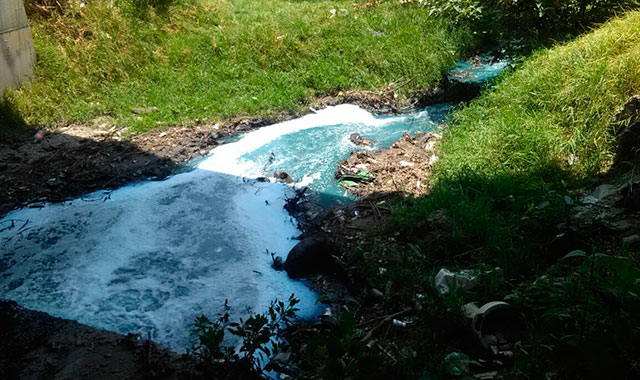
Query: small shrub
260, 334
543, 18
582, 318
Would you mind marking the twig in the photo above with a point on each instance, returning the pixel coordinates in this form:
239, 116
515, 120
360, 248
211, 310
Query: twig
406, 310
148, 350
386, 353
386, 319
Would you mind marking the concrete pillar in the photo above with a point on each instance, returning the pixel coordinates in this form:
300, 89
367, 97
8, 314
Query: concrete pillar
17, 54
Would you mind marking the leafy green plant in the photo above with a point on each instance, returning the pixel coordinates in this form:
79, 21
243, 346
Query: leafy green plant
531, 17
341, 355
583, 318
260, 334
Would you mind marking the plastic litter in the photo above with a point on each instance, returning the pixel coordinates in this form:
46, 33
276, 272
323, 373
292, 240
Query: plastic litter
447, 280
495, 326
38, 136
457, 363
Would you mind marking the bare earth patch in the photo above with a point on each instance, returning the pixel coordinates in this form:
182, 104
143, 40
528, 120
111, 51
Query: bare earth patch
403, 168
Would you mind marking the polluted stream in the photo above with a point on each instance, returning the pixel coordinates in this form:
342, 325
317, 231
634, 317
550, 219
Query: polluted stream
151, 256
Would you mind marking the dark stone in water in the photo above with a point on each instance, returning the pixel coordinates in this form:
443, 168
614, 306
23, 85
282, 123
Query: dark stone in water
283, 177
309, 257
278, 263
358, 140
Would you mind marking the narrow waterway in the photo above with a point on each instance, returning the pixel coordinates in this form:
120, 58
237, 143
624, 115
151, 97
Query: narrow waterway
151, 256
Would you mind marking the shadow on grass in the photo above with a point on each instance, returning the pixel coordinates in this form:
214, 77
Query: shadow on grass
12, 126
525, 225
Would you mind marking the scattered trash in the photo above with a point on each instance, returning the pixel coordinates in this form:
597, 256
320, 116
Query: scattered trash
355, 180
38, 137
405, 164
495, 326
377, 294
163, 134
447, 280
399, 323
486, 375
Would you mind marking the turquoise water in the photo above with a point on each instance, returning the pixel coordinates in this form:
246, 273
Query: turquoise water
153, 255
481, 71
311, 155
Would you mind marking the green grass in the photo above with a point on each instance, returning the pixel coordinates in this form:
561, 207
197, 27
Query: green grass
511, 160
554, 114
207, 60
510, 166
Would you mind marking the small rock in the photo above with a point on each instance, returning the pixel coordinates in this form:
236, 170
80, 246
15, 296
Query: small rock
310, 256
278, 263
599, 193
628, 142
358, 140
283, 177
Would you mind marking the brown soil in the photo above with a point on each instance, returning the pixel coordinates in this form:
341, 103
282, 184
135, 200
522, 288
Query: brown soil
37, 346
403, 168
74, 160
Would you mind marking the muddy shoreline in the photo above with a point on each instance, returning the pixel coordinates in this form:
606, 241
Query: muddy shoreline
67, 162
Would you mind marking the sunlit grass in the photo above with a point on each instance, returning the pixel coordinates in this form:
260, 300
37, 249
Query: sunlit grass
555, 113
207, 60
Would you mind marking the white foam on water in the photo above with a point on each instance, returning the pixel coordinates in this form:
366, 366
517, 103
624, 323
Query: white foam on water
153, 255
228, 158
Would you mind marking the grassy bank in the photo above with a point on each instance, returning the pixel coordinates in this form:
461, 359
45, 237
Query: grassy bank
206, 60
541, 132
506, 192
555, 114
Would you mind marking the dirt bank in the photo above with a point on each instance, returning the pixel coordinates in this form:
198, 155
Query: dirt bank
404, 168
36, 346
69, 161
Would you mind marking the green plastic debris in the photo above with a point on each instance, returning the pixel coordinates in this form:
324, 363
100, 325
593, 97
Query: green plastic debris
456, 363
355, 180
